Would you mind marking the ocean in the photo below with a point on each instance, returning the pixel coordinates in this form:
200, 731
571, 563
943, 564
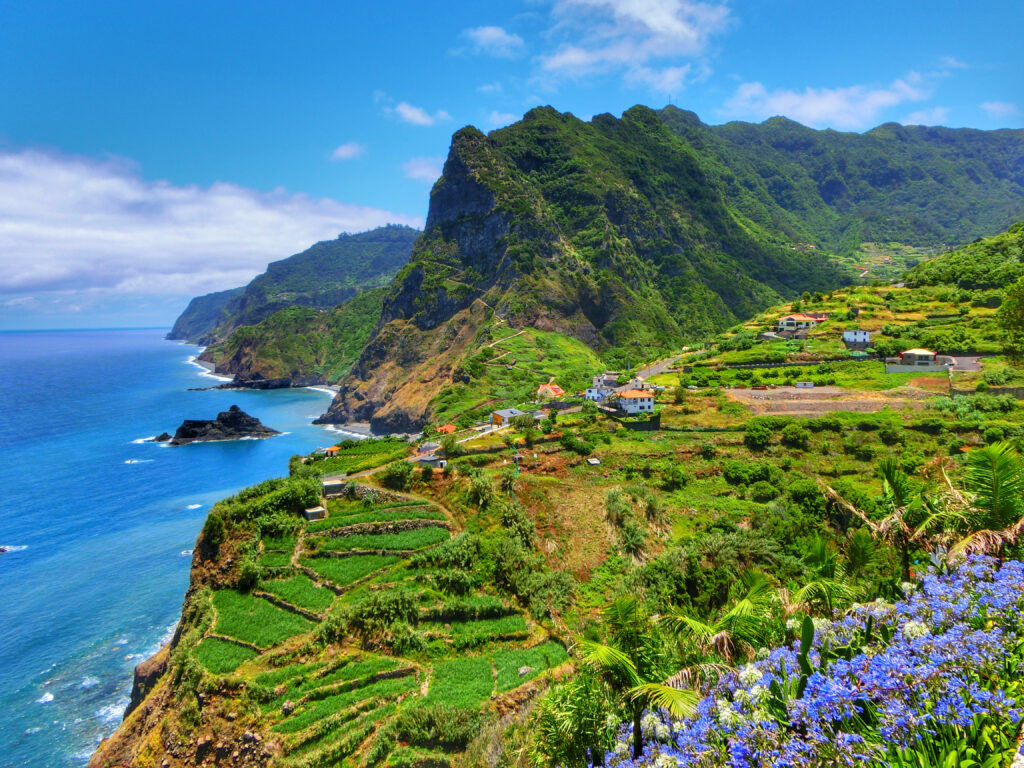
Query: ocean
100, 526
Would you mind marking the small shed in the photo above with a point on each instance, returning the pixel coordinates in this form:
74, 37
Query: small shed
332, 451
315, 513
804, 385
333, 487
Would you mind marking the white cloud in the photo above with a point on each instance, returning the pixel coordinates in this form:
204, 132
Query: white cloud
489, 88
75, 224
1000, 109
641, 39
496, 119
348, 151
852, 107
409, 113
423, 168
952, 62
494, 41
933, 116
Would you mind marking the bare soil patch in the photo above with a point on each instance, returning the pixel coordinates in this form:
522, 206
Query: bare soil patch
790, 401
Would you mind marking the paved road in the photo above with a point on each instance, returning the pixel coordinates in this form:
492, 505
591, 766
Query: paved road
659, 367
967, 364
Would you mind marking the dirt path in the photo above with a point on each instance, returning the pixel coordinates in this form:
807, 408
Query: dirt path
790, 401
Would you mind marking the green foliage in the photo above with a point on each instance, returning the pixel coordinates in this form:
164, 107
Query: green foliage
213, 529
343, 571
437, 725
539, 658
991, 262
301, 591
757, 435
417, 538
397, 475
795, 436
221, 657
254, 620
464, 682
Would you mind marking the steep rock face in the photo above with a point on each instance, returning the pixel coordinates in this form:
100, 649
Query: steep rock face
202, 315
232, 424
609, 232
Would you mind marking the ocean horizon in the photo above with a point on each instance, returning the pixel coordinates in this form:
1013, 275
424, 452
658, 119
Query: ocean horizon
100, 524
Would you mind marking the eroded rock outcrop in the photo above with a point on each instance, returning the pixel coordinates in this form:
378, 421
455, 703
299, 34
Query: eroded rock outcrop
232, 424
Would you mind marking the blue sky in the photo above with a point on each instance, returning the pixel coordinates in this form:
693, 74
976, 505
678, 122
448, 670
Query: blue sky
152, 151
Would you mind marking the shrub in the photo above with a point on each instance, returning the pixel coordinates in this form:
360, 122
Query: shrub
616, 507
806, 494
994, 435
375, 613
757, 436
397, 475
763, 491
890, 434
427, 474
632, 539
795, 436
675, 477
213, 529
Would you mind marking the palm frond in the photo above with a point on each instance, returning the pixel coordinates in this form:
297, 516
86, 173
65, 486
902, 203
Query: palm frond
610, 659
679, 702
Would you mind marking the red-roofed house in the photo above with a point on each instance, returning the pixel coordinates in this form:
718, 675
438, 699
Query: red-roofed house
797, 322
550, 390
446, 429
636, 401
332, 451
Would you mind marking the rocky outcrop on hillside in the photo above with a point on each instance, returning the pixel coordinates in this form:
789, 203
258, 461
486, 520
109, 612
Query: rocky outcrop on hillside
232, 424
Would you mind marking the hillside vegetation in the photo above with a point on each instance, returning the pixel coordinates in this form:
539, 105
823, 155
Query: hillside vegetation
637, 235
321, 277
301, 344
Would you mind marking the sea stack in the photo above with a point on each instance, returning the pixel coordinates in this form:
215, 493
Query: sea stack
232, 424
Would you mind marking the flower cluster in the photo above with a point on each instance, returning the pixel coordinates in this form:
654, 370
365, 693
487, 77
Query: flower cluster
881, 679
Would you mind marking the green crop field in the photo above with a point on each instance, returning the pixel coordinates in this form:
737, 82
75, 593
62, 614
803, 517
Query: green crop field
464, 682
220, 657
343, 571
301, 591
317, 710
275, 559
421, 513
508, 663
406, 540
254, 620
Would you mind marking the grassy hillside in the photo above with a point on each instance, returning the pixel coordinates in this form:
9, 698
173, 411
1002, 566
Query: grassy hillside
321, 277
304, 344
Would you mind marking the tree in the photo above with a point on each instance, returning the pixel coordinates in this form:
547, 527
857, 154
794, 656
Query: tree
757, 436
989, 513
829, 585
450, 446
731, 637
571, 722
1011, 318
397, 475
631, 661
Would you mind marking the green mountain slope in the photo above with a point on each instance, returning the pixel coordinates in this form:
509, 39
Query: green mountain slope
639, 234
301, 344
991, 262
923, 186
202, 314
321, 277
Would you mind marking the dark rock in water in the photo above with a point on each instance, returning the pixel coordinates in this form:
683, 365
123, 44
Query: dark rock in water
232, 424
163, 437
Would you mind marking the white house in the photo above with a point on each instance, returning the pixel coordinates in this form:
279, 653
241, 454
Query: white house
597, 394
918, 361
606, 380
856, 337
634, 401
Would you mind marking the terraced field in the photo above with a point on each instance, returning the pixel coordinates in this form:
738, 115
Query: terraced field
336, 690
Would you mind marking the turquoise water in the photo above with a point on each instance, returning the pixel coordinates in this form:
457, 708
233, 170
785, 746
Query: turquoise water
106, 524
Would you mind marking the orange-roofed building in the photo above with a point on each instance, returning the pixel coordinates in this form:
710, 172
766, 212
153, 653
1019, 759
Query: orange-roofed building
550, 390
446, 429
332, 451
636, 401
797, 322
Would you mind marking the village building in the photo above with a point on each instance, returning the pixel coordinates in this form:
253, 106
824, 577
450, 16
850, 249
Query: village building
597, 394
606, 380
332, 451
504, 416
918, 361
798, 322
549, 390
314, 513
634, 401
856, 339
446, 429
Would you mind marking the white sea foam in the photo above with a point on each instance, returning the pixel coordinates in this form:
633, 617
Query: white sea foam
345, 432
193, 506
204, 371
187, 552
30, 731
8, 548
323, 390
142, 440
137, 461
113, 712
89, 682
46, 698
